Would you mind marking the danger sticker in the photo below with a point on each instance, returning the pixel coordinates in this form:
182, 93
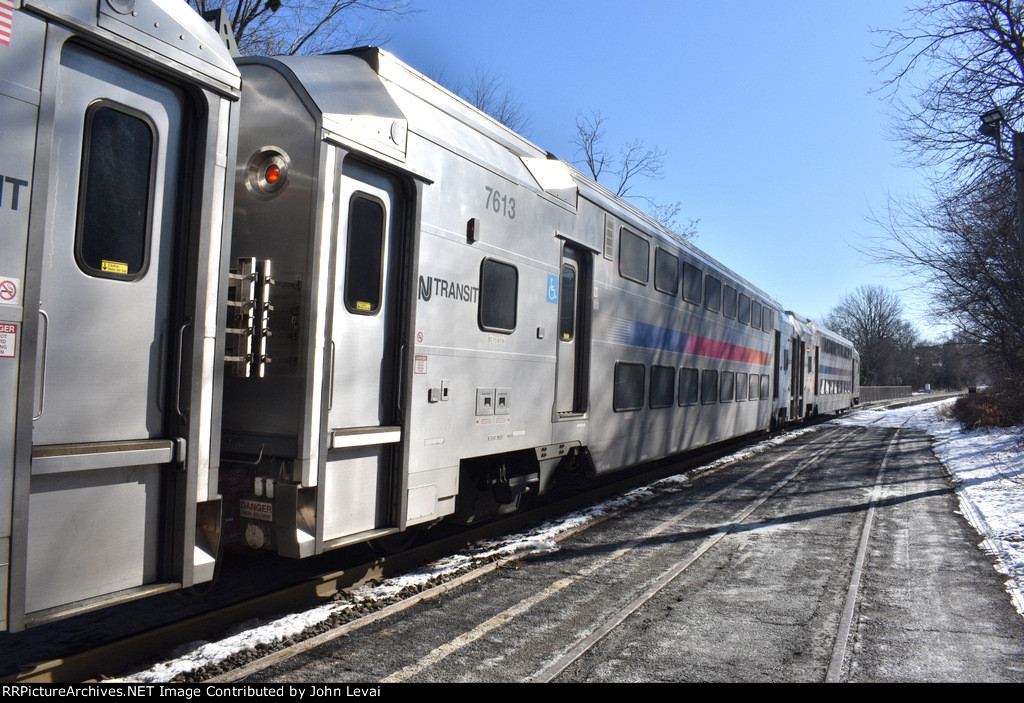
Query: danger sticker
8, 340
256, 510
421, 364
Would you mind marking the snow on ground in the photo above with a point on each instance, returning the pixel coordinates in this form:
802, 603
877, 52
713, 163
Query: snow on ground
989, 467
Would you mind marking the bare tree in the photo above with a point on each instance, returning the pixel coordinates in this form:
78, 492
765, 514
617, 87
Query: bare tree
960, 59
634, 160
285, 27
965, 246
872, 318
486, 90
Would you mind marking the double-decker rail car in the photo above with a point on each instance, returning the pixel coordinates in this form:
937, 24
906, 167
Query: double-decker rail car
305, 302
825, 376
453, 315
117, 142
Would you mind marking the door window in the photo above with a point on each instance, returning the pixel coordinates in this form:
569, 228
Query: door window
112, 234
567, 305
364, 262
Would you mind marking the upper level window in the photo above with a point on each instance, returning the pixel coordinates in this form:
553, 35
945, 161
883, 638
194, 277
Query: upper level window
666, 272
499, 288
634, 257
712, 293
729, 302
115, 196
755, 314
693, 283
743, 310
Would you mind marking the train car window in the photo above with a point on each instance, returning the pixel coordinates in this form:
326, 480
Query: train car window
115, 200
689, 381
769, 320
709, 387
743, 310
693, 283
712, 293
499, 289
755, 314
741, 386
729, 302
364, 260
663, 386
628, 393
634, 257
666, 272
765, 388
567, 305
754, 388
728, 388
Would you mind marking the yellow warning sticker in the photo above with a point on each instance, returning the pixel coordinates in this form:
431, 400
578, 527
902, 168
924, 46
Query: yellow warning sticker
360, 305
114, 267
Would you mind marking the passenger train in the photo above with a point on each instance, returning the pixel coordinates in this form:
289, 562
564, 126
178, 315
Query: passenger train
305, 302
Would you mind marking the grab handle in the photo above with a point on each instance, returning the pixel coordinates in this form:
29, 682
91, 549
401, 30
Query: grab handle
181, 355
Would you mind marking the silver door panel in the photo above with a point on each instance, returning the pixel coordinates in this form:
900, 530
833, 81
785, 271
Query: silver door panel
105, 339
92, 533
358, 469
95, 509
355, 490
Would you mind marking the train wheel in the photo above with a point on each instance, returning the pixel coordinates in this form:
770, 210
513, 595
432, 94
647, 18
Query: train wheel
395, 543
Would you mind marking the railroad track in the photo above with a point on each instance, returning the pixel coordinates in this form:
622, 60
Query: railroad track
522, 626
97, 663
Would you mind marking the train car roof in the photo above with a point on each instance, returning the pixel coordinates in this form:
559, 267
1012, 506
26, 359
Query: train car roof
806, 324
164, 33
379, 103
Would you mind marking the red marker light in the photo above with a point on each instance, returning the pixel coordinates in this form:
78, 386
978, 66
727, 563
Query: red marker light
273, 173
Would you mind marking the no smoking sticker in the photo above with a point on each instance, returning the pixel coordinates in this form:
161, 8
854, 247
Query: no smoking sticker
10, 291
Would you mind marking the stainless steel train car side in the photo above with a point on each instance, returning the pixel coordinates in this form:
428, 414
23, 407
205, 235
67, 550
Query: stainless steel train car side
445, 315
117, 118
684, 349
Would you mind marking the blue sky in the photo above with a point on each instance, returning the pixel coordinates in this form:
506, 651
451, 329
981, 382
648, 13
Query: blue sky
774, 138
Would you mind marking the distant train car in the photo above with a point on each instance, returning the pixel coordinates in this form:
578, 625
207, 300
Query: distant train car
825, 373
117, 121
305, 302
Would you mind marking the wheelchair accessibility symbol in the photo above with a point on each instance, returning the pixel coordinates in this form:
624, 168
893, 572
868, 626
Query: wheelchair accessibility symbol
552, 288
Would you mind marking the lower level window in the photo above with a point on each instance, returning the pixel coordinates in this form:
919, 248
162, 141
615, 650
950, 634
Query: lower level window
628, 393
663, 386
709, 387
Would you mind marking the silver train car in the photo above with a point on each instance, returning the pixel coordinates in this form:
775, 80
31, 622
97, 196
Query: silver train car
117, 119
396, 312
